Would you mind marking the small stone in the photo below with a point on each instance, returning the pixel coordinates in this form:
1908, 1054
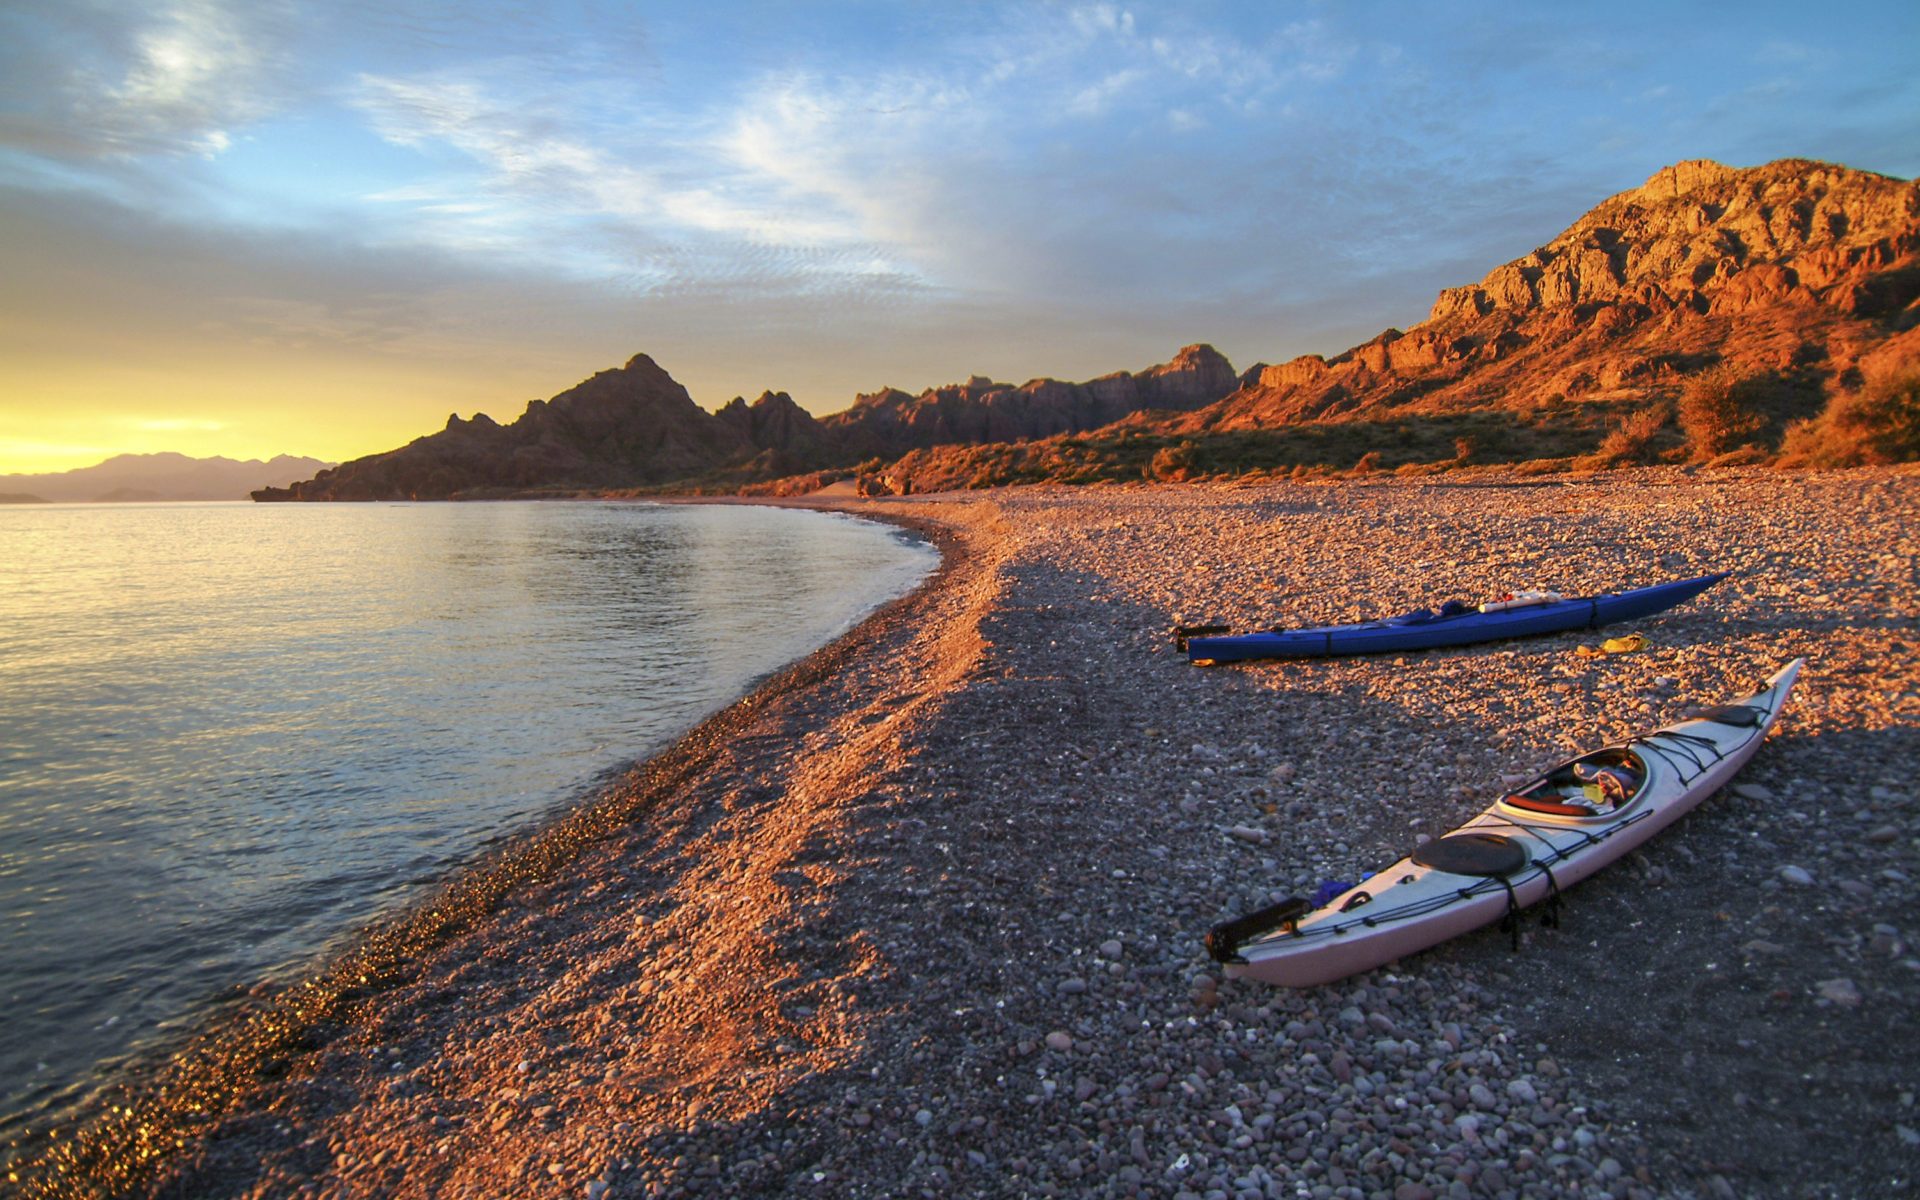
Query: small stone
1796, 875
1111, 948
1761, 946
596, 1189
1843, 992
1883, 835
1753, 791
1060, 1040
1523, 1091
923, 1118
1072, 987
1248, 834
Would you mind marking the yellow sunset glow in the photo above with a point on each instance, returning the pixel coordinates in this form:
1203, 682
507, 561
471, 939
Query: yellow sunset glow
61, 416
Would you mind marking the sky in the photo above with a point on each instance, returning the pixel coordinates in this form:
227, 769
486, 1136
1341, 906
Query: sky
318, 227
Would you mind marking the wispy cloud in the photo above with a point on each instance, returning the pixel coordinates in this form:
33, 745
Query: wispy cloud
547, 174
179, 79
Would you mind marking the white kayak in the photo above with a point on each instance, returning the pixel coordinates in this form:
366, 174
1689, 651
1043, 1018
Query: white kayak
1524, 848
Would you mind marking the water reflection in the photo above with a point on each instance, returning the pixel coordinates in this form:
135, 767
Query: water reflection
229, 732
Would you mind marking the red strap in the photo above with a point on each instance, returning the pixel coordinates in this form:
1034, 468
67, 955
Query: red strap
1548, 806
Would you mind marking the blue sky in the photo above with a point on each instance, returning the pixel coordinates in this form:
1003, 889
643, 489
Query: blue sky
279, 225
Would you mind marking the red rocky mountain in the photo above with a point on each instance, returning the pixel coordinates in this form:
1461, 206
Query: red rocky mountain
1803, 276
1796, 266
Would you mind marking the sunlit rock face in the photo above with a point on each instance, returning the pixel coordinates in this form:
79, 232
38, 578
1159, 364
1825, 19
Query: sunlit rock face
1795, 266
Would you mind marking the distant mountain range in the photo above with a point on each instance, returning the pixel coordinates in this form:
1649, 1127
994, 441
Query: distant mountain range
1797, 283
134, 477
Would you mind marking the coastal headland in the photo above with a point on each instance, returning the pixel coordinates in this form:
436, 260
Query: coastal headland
922, 915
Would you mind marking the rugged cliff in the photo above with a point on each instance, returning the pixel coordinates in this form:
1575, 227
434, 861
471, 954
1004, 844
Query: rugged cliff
1795, 267
1793, 285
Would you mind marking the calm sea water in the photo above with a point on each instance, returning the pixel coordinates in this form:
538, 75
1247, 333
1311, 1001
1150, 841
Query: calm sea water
229, 732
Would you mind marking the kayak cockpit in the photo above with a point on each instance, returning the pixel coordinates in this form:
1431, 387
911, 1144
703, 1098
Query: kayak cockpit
1601, 784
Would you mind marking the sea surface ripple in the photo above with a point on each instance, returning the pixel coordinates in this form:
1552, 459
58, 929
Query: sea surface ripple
231, 733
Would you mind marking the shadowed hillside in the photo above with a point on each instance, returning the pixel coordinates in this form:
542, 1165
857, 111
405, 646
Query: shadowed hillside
636, 428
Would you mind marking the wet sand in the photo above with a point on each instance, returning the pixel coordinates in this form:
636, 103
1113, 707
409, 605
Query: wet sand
922, 916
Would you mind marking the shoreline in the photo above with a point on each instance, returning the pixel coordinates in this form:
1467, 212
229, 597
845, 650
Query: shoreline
924, 912
257, 1032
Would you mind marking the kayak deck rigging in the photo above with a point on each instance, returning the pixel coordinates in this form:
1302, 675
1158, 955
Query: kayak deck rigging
1522, 849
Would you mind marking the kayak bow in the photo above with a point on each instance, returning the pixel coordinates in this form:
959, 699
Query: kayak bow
1524, 848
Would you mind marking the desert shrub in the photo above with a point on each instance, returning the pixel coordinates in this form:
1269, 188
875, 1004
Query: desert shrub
1173, 464
1879, 423
1631, 441
1715, 412
1369, 463
1740, 456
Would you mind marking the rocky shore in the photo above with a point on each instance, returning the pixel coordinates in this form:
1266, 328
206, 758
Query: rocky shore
922, 918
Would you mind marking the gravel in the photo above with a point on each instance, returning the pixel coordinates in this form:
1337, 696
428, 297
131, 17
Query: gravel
928, 924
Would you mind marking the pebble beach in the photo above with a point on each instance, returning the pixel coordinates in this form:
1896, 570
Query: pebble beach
922, 916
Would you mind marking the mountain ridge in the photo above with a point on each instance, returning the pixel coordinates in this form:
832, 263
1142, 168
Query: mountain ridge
1798, 280
635, 427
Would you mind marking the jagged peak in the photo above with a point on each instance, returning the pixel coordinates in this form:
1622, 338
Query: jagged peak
1683, 177
1199, 352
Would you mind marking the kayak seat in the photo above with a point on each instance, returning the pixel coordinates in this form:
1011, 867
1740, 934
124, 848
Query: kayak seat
1598, 785
1488, 854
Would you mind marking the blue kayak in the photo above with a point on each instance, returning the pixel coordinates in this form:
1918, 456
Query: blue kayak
1453, 625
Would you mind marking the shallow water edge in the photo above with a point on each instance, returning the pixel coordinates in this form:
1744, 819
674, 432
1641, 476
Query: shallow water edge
160, 1098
